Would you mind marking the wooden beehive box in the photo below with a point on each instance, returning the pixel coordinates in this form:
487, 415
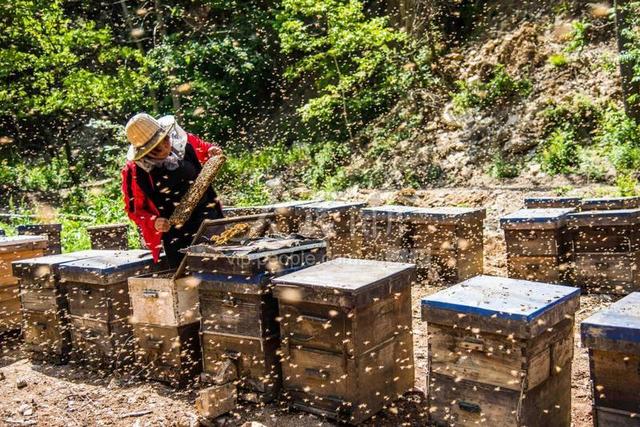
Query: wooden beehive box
386, 233
552, 202
240, 335
44, 305
109, 236
447, 243
500, 349
538, 244
347, 348
337, 222
11, 249
286, 217
606, 246
99, 305
610, 203
613, 339
51, 231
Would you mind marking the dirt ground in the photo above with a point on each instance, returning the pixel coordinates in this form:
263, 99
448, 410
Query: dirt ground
45, 395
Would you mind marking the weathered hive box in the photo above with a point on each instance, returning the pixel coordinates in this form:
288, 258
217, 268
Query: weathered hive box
44, 305
51, 231
538, 244
447, 242
500, 349
240, 335
109, 236
387, 233
606, 248
286, 216
99, 306
610, 203
552, 202
346, 336
613, 339
12, 249
337, 222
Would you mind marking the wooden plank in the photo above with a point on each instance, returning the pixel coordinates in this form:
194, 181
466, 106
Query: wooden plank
616, 380
217, 400
608, 417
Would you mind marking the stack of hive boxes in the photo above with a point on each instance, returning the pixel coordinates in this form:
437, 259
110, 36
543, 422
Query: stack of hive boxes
346, 336
12, 249
166, 325
109, 236
45, 306
286, 216
606, 247
538, 244
445, 243
613, 339
51, 231
240, 334
337, 222
99, 306
500, 351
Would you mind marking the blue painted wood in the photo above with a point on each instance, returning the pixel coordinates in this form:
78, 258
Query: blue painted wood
444, 214
631, 202
114, 262
536, 216
618, 322
568, 200
387, 211
331, 206
487, 296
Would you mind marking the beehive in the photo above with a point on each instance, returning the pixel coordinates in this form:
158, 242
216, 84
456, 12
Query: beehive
240, 335
51, 231
613, 339
99, 305
387, 233
552, 202
538, 244
44, 305
610, 203
346, 336
12, 249
500, 350
606, 248
109, 236
337, 222
286, 217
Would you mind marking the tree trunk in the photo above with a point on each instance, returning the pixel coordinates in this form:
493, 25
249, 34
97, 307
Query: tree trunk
629, 87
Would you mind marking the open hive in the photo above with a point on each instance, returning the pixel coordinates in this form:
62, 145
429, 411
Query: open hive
286, 217
11, 249
99, 307
500, 350
538, 244
606, 250
44, 305
347, 347
613, 339
240, 333
337, 222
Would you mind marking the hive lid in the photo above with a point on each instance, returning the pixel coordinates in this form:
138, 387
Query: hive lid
611, 203
487, 300
331, 206
106, 227
98, 269
269, 208
616, 328
256, 248
552, 202
536, 218
387, 211
446, 215
45, 265
345, 281
8, 241
605, 217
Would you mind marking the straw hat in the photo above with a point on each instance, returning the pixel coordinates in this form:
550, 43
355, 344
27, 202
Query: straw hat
145, 133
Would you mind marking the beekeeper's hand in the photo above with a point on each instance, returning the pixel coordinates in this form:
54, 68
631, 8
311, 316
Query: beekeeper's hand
162, 225
215, 150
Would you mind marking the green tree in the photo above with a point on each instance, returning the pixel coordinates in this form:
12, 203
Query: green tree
56, 73
353, 64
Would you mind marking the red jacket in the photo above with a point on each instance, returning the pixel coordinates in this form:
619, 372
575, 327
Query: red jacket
141, 208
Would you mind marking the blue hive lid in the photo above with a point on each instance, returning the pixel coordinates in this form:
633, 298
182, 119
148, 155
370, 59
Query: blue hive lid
615, 325
537, 216
501, 297
331, 206
604, 217
114, 262
567, 201
446, 214
387, 211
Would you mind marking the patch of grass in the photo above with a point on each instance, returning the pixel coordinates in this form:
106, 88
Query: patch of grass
502, 168
627, 185
592, 163
562, 190
558, 60
501, 87
559, 153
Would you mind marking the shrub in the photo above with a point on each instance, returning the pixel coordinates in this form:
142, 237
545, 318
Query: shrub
502, 168
579, 36
559, 154
501, 87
